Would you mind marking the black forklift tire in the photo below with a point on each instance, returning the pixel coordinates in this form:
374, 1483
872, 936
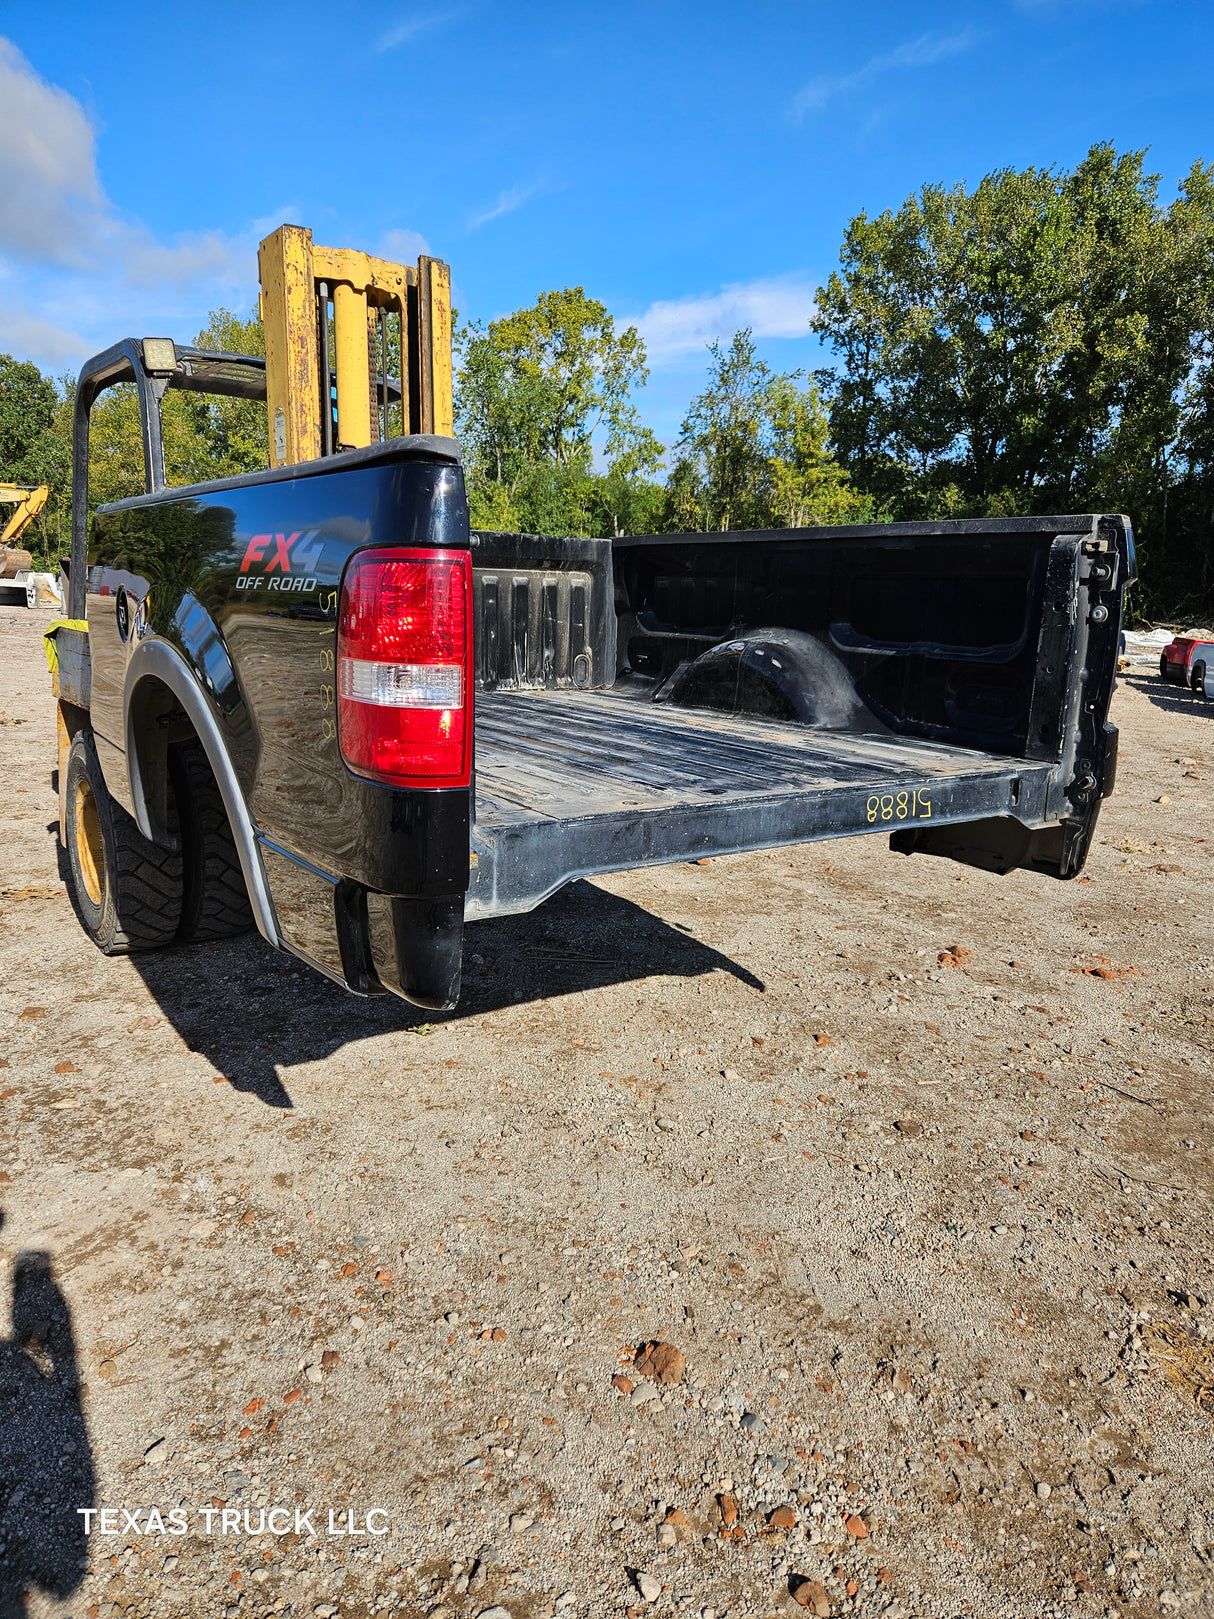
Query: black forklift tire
128, 890
1163, 667
215, 901
1197, 680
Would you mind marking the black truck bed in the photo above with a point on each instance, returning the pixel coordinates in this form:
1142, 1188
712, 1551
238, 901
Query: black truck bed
573, 783
640, 699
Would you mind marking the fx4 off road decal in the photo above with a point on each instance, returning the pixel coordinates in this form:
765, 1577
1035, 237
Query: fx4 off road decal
280, 561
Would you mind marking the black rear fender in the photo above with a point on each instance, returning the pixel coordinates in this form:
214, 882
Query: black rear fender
160, 687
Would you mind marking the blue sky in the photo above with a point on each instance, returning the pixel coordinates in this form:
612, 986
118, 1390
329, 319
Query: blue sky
691, 164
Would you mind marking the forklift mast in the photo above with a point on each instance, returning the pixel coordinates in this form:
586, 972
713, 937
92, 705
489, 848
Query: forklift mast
357, 349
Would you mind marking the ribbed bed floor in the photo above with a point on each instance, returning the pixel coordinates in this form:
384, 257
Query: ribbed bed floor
578, 753
573, 783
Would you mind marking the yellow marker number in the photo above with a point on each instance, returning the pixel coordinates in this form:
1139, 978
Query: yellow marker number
328, 695
904, 806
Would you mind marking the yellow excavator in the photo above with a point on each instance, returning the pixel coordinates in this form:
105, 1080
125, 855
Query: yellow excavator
15, 562
30, 499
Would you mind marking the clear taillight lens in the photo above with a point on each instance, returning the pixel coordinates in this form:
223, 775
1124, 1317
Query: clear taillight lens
404, 667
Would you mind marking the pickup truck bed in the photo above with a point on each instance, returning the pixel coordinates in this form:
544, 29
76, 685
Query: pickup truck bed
632, 701
571, 783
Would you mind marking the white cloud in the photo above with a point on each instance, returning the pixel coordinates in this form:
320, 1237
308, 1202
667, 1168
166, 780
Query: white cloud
50, 196
75, 273
288, 214
64, 246
210, 258
507, 202
921, 52
27, 334
777, 306
410, 27
402, 246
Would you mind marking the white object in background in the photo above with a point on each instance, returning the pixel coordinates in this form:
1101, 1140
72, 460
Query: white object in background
47, 586
41, 589
1144, 646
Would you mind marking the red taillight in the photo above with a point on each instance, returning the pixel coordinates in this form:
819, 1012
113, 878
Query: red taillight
404, 667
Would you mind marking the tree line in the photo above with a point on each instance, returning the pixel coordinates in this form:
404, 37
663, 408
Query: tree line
1041, 343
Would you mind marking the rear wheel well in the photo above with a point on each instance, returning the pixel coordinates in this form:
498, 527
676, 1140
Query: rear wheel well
155, 672
215, 900
155, 719
171, 773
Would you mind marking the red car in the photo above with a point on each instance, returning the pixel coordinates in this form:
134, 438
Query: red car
1185, 660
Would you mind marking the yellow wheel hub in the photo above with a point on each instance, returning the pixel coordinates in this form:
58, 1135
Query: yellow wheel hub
90, 849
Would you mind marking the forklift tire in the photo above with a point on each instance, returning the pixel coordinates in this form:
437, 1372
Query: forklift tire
128, 890
215, 901
1164, 668
1197, 680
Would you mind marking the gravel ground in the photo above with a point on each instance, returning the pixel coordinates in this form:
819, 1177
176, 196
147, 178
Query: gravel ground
911, 1165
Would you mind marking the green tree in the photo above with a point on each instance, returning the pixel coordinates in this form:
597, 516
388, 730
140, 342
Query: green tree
533, 391
622, 501
116, 461
721, 473
1028, 346
806, 484
33, 449
754, 452
27, 410
232, 434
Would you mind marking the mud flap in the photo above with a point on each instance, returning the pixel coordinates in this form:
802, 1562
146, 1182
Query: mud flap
417, 946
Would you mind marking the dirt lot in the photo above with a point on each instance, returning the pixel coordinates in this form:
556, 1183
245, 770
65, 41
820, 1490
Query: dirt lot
932, 1236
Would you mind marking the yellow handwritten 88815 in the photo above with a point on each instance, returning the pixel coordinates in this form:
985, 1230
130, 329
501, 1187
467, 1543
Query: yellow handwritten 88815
904, 806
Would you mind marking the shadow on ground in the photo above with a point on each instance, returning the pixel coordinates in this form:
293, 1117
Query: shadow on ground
1169, 695
46, 1467
249, 1009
